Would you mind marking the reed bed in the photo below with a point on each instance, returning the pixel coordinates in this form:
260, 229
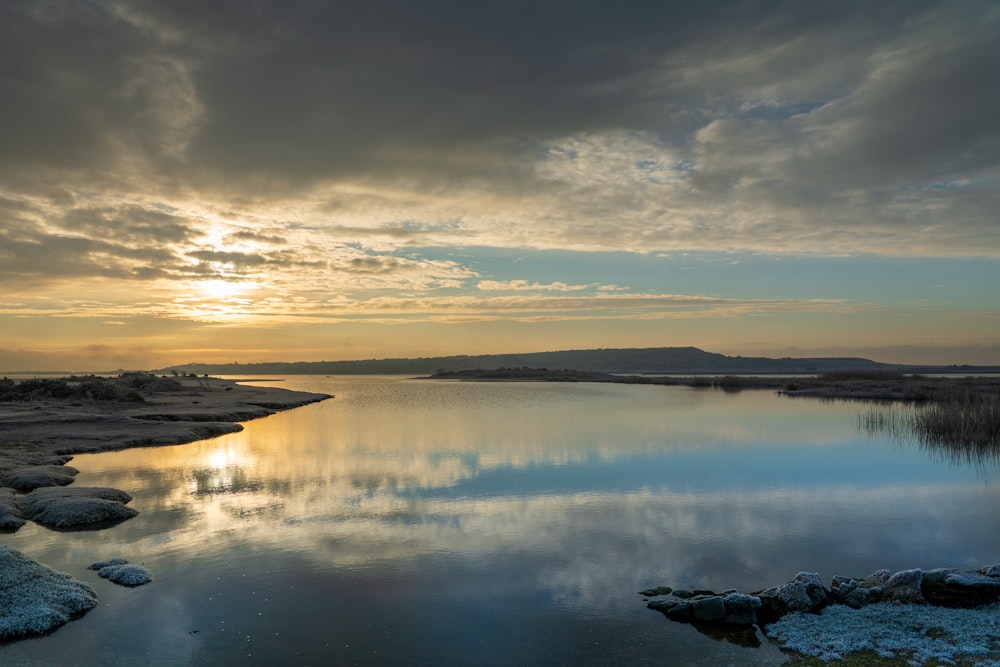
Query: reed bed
964, 425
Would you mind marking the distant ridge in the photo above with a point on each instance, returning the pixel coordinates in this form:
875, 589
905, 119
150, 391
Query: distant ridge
653, 360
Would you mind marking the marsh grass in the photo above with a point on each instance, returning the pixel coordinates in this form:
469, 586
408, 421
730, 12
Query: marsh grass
964, 417
964, 425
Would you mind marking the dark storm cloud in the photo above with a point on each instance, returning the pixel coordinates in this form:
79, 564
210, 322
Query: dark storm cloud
44, 257
304, 89
128, 225
795, 117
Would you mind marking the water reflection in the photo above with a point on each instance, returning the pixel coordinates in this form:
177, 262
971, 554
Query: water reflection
435, 522
953, 432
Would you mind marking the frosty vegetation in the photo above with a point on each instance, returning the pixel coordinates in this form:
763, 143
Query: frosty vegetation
35, 598
60, 507
921, 633
122, 572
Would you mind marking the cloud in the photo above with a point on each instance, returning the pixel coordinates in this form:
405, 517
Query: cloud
528, 286
296, 160
793, 127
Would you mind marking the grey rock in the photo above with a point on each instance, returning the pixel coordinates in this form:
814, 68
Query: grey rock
864, 596
905, 586
877, 578
741, 609
991, 570
841, 587
881, 586
959, 588
674, 608
803, 593
709, 608
731, 609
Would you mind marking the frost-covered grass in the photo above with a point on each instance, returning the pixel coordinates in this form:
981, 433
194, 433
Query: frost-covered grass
122, 572
10, 515
35, 598
76, 506
922, 635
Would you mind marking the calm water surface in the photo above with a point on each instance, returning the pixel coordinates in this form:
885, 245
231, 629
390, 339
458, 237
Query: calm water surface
438, 523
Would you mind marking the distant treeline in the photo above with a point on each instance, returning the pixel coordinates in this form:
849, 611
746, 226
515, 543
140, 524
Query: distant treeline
662, 360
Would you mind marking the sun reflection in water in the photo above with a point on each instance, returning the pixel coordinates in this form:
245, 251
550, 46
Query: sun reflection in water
223, 470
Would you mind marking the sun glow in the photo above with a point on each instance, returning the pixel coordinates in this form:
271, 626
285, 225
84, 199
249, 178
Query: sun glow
216, 300
219, 289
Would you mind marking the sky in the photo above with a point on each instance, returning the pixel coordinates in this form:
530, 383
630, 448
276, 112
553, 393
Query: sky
297, 180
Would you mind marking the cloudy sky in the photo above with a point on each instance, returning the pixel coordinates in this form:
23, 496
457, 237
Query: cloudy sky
221, 180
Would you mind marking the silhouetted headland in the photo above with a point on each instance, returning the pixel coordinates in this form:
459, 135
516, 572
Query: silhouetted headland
649, 360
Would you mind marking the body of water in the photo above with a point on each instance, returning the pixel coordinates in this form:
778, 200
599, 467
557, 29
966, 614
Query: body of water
441, 523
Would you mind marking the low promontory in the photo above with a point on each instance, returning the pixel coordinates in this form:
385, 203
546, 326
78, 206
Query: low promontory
44, 421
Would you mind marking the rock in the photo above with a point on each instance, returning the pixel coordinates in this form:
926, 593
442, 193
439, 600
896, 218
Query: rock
674, 608
971, 589
842, 587
904, 586
710, 608
991, 570
731, 609
803, 593
29, 478
877, 578
35, 598
960, 588
86, 507
10, 514
741, 609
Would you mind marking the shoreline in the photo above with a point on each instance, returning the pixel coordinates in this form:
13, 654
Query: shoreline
45, 422
40, 433
198, 408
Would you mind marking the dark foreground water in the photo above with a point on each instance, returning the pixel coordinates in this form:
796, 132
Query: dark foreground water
411, 522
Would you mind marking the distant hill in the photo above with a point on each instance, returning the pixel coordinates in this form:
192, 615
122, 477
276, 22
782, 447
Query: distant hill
654, 360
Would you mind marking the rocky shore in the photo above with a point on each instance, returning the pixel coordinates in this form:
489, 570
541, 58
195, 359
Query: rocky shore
43, 423
782, 612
